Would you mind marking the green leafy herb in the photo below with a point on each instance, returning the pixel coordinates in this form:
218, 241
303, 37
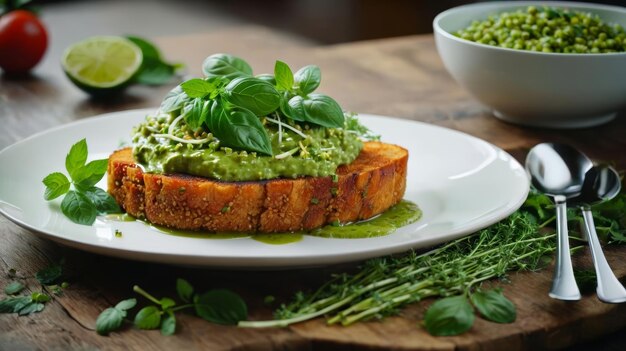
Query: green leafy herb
14, 304
239, 128
56, 184
381, 286
153, 70
111, 319
221, 307
40, 297
224, 65
449, 316
253, 94
168, 325
494, 306
174, 100
86, 201
217, 306
197, 88
50, 274
308, 79
30, 308
102, 200
184, 290
79, 208
13, 288
317, 109
148, 317
76, 158
283, 76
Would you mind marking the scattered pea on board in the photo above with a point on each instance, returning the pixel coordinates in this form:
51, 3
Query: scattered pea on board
547, 29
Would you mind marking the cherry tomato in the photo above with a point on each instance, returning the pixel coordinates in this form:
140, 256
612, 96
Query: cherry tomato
23, 41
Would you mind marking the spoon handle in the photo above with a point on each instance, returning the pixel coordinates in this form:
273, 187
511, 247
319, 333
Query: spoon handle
563, 283
609, 289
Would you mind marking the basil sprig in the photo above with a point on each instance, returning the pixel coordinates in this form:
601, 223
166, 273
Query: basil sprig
219, 306
229, 101
85, 201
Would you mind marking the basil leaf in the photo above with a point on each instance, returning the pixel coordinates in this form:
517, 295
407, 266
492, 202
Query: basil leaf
78, 208
91, 173
221, 307
284, 76
307, 79
494, 306
156, 73
197, 88
174, 100
76, 158
103, 201
56, 184
267, 77
40, 297
253, 94
13, 288
168, 326
30, 308
153, 70
184, 289
239, 128
14, 304
226, 65
317, 109
148, 317
449, 316
166, 303
109, 320
199, 113
50, 274
126, 304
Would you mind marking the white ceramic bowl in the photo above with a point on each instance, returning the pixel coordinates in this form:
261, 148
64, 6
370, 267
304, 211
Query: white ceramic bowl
534, 88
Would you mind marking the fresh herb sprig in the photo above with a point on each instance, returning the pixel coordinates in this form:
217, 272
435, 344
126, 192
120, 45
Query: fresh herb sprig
453, 272
85, 201
218, 306
230, 101
25, 305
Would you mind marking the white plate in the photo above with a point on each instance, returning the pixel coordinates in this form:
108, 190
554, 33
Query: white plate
461, 183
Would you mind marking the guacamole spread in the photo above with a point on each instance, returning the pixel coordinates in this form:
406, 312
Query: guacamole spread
234, 126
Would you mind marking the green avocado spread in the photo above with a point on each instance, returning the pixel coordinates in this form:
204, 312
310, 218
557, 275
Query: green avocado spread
317, 154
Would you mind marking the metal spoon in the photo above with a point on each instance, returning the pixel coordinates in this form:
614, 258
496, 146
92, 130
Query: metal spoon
602, 183
558, 170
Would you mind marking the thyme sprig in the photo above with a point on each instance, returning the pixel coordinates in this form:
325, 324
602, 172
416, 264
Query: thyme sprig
524, 241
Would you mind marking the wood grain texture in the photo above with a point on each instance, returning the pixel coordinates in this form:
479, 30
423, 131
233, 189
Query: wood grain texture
400, 77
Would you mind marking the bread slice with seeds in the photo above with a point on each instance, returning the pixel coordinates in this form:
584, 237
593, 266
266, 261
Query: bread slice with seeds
372, 183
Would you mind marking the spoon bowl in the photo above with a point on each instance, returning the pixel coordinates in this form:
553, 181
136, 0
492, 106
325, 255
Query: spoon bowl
559, 170
601, 183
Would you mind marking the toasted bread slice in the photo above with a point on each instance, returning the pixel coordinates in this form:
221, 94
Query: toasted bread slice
371, 184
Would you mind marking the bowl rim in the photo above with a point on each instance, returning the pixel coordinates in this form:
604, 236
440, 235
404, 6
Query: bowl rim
495, 5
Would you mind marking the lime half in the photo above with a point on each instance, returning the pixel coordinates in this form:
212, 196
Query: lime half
102, 64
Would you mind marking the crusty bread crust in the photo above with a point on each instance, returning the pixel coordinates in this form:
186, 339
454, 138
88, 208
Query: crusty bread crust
371, 184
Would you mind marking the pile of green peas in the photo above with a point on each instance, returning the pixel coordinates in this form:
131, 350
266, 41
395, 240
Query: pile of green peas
547, 30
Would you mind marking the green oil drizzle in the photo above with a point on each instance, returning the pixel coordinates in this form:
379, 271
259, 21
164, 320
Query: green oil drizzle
402, 214
278, 238
120, 217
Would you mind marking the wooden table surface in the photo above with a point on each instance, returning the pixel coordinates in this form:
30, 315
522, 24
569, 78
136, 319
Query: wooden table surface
401, 77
